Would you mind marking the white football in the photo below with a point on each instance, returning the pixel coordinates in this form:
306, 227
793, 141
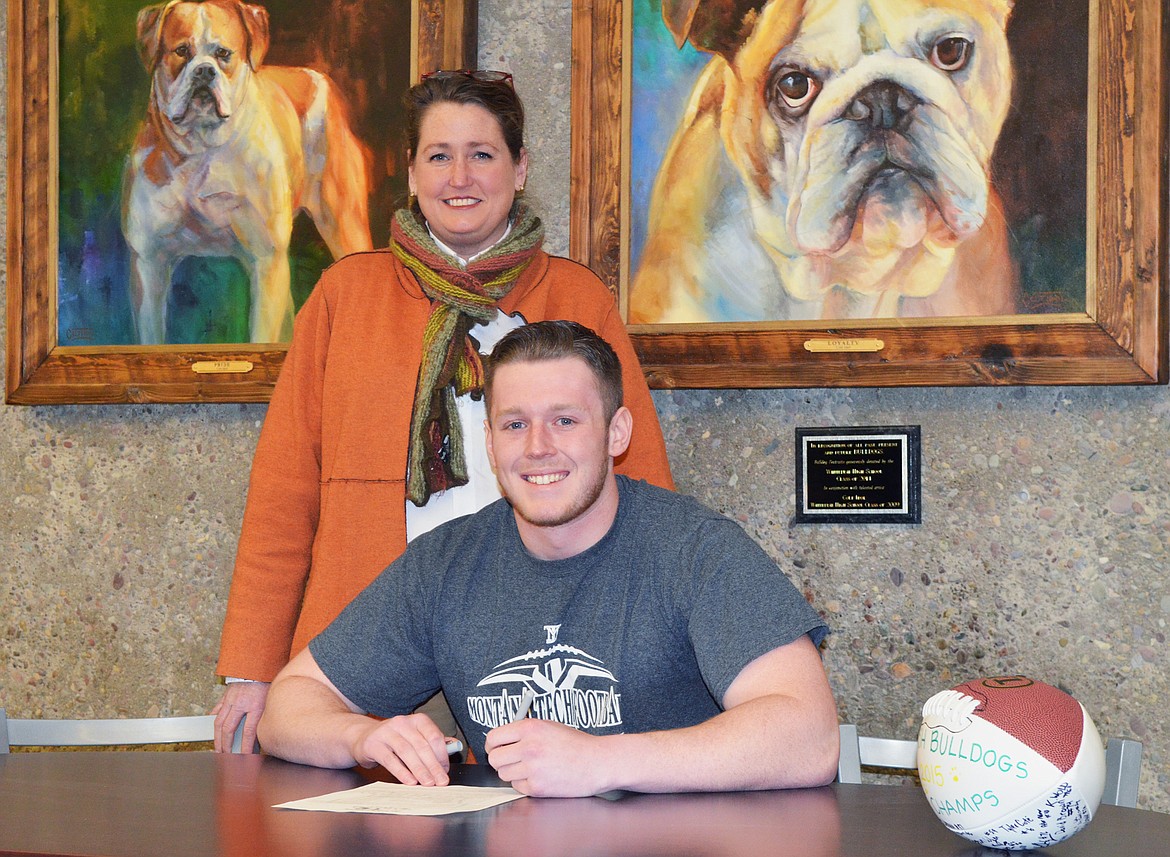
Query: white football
1010, 762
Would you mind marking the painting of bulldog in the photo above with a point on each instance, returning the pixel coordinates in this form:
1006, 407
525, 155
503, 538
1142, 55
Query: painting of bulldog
834, 159
230, 150
216, 156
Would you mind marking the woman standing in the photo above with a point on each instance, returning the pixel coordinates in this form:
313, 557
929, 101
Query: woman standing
374, 435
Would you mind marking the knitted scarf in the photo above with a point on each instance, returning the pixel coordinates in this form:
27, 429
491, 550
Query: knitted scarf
451, 364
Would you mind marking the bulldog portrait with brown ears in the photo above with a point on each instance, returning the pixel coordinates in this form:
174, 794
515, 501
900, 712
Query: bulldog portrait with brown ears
229, 152
833, 162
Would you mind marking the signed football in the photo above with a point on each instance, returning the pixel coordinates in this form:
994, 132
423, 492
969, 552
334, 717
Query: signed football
1010, 762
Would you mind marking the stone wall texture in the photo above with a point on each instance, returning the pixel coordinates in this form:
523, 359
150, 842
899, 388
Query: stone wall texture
1043, 547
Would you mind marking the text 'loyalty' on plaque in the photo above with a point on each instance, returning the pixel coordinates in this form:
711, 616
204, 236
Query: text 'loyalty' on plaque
859, 475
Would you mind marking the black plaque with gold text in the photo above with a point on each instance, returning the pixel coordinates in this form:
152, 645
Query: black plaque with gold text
859, 475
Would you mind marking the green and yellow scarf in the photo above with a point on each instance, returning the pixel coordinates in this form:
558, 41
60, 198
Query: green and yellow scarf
451, 365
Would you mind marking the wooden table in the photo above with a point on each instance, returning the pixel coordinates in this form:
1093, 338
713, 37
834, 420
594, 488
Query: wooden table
174, 804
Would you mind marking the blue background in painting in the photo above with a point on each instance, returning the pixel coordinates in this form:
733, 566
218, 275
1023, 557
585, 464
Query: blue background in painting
662, 79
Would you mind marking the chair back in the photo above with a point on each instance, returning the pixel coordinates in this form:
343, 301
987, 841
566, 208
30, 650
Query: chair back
1123, 762
1123, 772
104, 733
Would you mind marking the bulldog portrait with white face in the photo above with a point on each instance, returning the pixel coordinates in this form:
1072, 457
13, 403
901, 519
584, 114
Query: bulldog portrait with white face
229, 152
833, 162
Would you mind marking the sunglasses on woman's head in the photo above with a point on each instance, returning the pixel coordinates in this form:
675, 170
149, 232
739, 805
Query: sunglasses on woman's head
482, 75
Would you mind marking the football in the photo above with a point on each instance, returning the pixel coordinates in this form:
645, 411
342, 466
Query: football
1010, 762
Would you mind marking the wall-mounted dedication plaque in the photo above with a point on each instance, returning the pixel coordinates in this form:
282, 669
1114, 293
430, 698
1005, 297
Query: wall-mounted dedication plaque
869, 475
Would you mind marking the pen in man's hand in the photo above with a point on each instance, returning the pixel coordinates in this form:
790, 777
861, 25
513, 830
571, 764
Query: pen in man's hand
525, 705
454, 746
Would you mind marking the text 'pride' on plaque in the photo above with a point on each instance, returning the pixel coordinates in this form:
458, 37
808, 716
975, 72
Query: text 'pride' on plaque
859, 475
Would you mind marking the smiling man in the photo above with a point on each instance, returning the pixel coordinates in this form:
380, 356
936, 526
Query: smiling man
659, 648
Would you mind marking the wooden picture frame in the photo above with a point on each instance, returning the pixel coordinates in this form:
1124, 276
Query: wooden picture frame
1121, 337
39, 370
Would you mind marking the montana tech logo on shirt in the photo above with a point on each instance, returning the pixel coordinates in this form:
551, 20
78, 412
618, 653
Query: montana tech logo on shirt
570, 686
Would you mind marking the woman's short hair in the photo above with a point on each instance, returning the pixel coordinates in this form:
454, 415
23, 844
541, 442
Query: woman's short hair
497, 97
556, 340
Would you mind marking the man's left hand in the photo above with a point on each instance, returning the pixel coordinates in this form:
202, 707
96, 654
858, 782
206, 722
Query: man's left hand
546, 759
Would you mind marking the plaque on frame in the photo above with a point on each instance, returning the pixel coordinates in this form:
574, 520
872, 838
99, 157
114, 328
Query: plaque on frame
859, 475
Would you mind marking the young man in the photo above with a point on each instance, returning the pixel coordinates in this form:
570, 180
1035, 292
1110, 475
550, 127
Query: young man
665, 651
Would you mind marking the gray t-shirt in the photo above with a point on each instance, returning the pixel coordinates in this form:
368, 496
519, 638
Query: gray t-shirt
645, 630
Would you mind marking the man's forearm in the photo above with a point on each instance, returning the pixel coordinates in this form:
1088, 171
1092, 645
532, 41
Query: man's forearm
764, 743
778, 729
305, 722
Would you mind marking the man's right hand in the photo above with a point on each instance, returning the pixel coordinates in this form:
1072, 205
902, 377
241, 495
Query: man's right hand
411, 747
242, 700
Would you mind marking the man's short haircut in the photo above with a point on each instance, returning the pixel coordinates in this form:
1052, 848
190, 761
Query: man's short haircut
556, 340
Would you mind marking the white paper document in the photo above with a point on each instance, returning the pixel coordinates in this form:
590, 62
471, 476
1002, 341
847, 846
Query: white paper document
395, 799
